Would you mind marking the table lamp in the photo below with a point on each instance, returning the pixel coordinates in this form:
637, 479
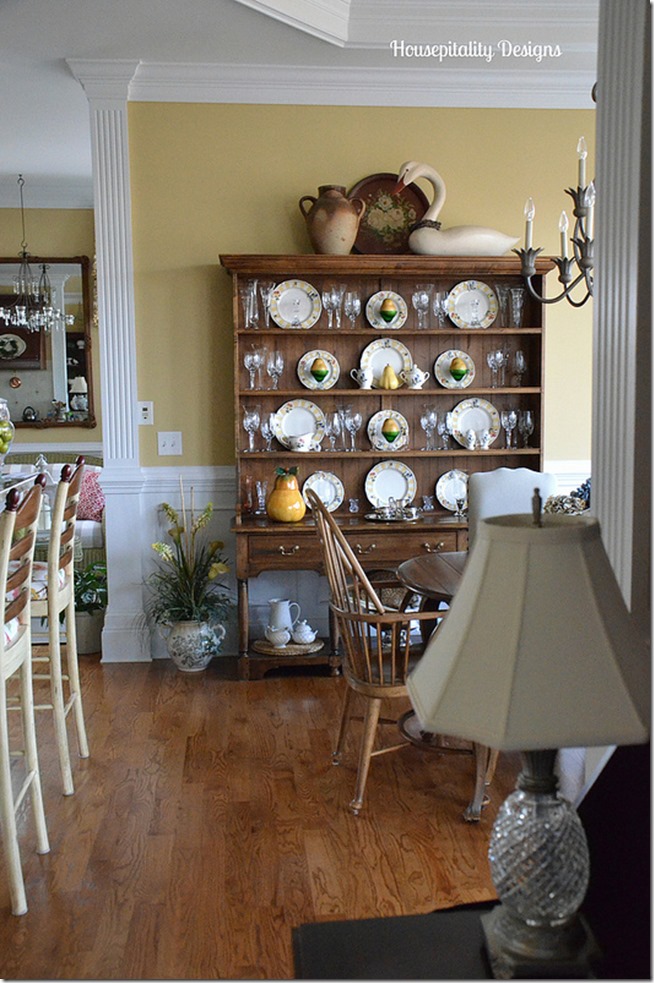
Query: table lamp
537, 652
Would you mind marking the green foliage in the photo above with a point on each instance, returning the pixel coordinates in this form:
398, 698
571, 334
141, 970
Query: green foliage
185, 586
91, 588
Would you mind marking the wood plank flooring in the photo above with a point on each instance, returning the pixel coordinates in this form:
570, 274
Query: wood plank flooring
209, 821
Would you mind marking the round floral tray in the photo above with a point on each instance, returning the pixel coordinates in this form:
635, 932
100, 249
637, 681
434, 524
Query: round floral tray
387, 220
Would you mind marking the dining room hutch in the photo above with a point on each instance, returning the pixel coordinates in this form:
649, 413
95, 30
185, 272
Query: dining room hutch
357, 481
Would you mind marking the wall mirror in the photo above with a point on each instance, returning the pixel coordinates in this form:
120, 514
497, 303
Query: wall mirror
46, 377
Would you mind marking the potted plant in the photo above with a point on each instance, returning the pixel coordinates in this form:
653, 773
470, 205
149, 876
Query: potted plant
187, 599
91, 599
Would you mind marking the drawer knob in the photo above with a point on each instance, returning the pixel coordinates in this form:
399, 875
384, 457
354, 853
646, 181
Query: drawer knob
361, 550
289, 552
430, 548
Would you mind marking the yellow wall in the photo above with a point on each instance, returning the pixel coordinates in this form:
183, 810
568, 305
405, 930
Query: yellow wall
211, 179
54, 232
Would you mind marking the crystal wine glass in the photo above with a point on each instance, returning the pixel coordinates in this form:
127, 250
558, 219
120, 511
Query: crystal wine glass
266, 288
519, 365
444, 434
502, 293
262, 491
509, 419
251, 421
253, 360
353, 423
352, 307
439, 306
344, 410
428, 422
526, 426
517, 297
328, 305
337, 291
493, 365
420, 301
250, 307
275, 367
333, 428
268, 430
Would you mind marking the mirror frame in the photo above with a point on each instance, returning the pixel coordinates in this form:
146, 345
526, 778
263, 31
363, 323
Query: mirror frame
87, 315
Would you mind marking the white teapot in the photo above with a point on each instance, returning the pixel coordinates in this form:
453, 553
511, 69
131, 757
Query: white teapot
303, 633
415, 378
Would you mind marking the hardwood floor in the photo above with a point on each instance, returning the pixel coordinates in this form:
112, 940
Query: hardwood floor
209, 821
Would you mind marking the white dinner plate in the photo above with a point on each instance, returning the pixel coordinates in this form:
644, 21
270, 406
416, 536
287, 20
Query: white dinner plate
296, 417
450, 486
305, 365
11, 346
295, 304
390, 479
327, 486
444, 375
374, 314
382, 352
376, 434
475, 414
472, 304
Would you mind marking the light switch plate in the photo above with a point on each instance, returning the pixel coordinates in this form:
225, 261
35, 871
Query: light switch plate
169, 442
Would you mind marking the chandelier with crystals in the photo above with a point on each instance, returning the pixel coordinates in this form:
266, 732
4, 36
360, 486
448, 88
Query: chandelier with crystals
33, 307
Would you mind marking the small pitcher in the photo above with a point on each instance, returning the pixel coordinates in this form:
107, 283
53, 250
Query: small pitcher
280, 613
362, 377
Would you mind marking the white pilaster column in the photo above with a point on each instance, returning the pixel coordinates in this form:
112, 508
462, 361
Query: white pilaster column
621, 417
125, 637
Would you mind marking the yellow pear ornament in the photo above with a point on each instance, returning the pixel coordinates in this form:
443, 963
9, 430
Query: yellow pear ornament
389, 379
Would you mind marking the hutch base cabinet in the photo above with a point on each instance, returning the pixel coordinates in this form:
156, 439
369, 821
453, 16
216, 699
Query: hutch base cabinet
386, 452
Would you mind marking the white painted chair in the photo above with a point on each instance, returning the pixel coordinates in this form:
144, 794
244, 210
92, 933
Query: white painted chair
53, 593
504, 491
17, 539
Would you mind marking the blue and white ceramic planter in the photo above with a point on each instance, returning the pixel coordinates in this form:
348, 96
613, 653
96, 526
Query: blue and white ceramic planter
193, 644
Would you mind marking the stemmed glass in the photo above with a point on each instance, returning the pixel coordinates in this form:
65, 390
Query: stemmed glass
251, 421
344, 410
268, 430
509, 419
352, 307
328, 305
253, 360
275, 367
337, 301
262, 491
444, 434
333, 428
266, 288
250, 307
428, 422
519, 365
502, 293
495, 360
439, 306
353, 423
517, 305
526, 426
420, 301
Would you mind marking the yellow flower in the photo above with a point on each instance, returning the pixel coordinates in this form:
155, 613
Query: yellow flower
216, 569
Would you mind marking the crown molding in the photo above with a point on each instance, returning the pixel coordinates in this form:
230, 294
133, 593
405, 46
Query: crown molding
514, 87
327, 20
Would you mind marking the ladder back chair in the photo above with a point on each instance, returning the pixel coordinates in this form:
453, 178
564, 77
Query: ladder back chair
18, 524
378, 645
53, 593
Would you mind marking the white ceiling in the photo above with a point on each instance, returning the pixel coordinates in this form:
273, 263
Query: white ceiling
304, 51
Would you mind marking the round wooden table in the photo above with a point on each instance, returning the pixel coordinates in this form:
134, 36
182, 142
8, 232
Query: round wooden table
436, 577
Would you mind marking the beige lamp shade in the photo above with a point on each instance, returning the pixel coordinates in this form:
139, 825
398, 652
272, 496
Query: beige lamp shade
538, 649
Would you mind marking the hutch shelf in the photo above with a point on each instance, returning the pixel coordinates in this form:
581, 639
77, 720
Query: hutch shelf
265, 545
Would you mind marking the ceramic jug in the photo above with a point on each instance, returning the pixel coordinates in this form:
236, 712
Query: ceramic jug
332, 219
280, 613
363, 377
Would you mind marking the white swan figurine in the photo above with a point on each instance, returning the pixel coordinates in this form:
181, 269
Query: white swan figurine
426, 237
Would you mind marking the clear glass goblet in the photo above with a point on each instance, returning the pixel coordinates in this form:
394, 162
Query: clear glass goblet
266, 288
517, 305
519, 366
275, 367
251, 422
502, 294
444, 434
491, 361
250, 306
526, 426
439, 306
428, 422
337, 291
352, 307
420, 301
253, 360
328, 306
333, 428
268, 430
509, 419
353, 423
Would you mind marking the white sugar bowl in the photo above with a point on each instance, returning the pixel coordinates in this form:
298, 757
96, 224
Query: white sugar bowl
303, 634
278, 637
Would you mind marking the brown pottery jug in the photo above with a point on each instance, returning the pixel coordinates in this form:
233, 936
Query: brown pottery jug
332, 219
